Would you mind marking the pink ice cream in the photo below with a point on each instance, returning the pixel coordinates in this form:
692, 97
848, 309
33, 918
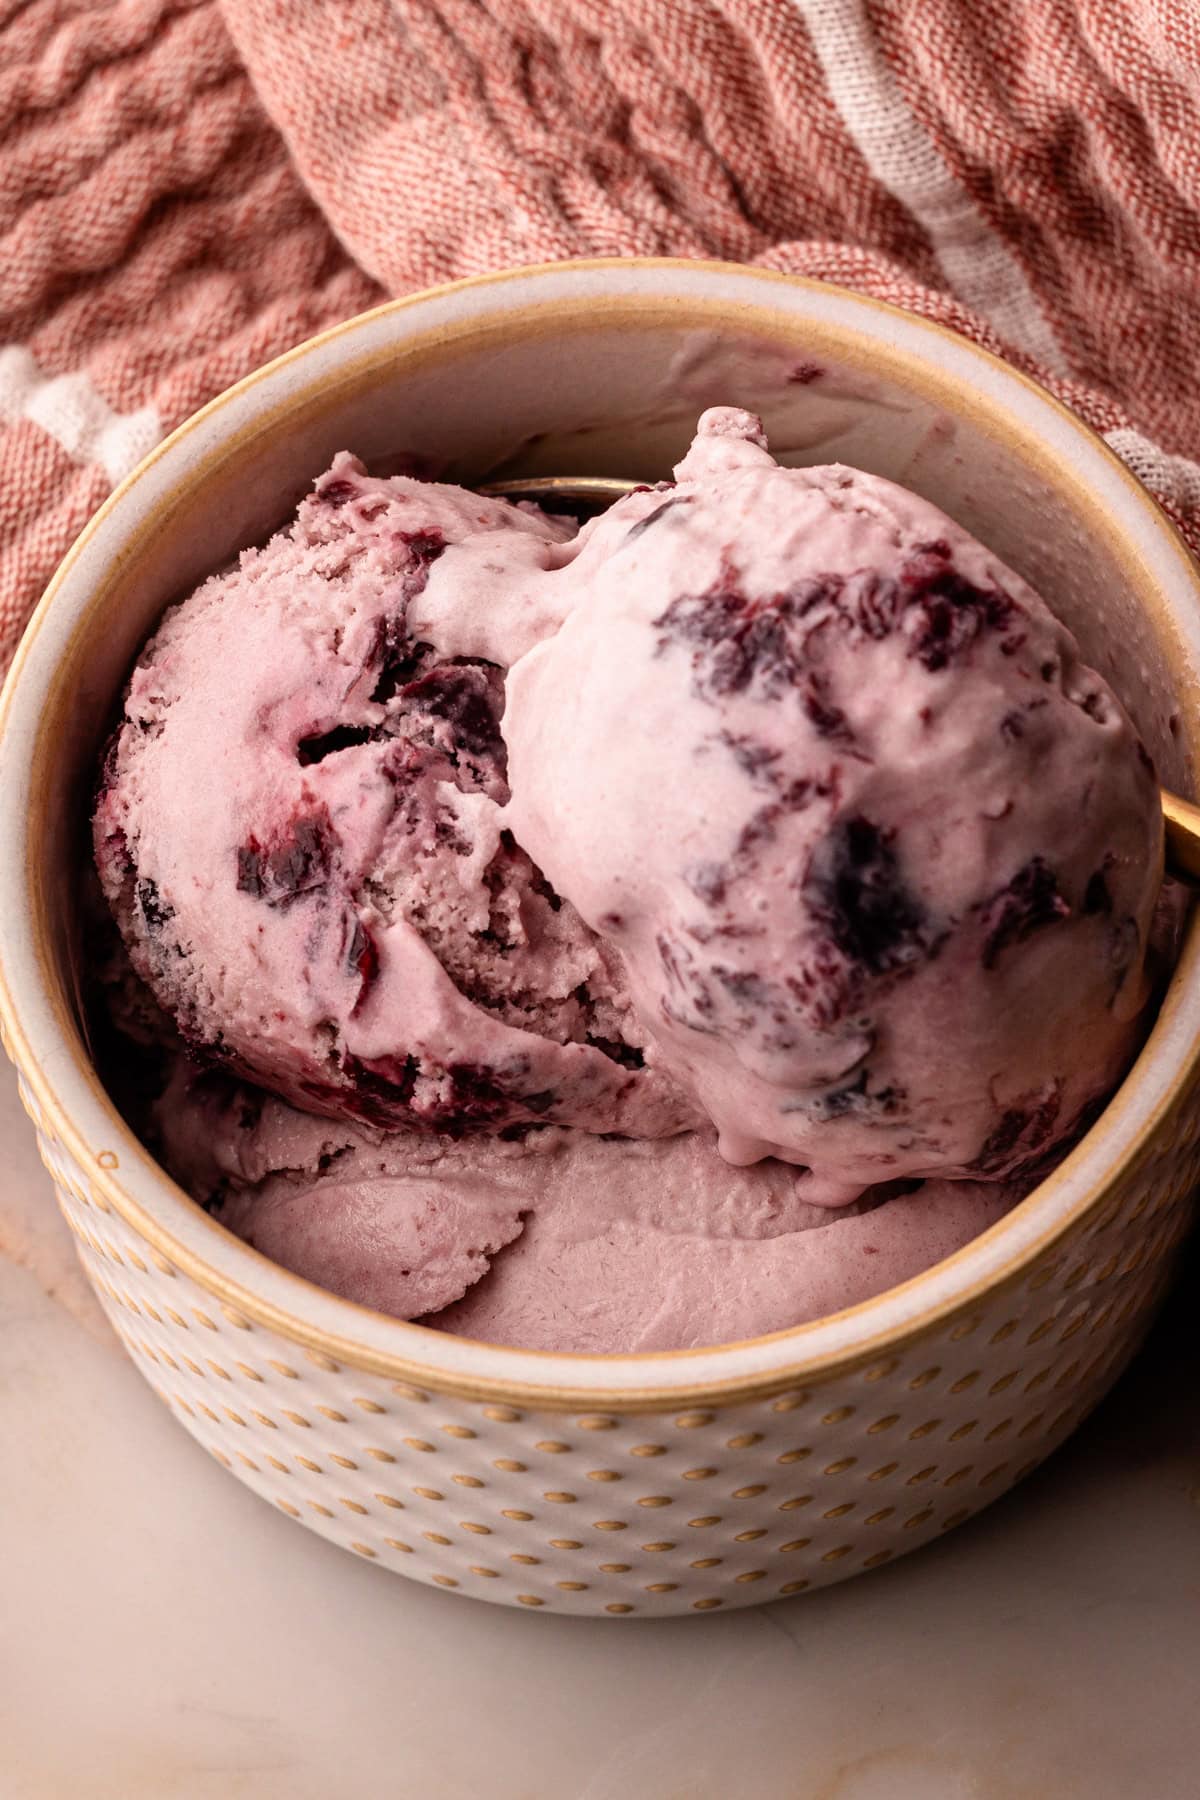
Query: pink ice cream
300, 834
496, 874
560, 1241
878, 852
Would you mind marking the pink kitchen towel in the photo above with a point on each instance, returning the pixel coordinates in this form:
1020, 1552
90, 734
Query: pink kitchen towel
188, 187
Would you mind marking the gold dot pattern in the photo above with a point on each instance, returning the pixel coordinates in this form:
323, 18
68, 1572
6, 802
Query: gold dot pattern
777, 1495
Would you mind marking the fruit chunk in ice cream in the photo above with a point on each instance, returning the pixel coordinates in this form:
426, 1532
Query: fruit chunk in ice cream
878, 851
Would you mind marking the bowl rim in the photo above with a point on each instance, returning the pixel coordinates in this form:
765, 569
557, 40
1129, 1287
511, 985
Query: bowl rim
338, 1331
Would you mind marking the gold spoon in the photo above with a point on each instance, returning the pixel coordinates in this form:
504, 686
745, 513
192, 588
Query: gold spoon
1180, 818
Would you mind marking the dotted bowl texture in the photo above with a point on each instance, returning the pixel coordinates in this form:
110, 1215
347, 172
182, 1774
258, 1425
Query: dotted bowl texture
644, 1514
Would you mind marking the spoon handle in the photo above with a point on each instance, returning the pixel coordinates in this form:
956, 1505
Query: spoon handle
1182, 821
596, 490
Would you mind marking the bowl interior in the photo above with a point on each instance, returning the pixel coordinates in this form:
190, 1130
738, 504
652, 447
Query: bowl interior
600, 371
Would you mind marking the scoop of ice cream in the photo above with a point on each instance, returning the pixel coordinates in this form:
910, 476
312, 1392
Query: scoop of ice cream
879, 852
559, 1240
300, 832
600, 1273
795, 809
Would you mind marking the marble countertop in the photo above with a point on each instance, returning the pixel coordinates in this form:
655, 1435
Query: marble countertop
166, 1636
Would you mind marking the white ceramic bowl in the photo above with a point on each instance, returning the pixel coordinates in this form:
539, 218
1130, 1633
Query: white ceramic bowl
647, 1484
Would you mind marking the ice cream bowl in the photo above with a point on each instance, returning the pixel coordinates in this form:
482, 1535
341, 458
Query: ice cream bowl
644, 1485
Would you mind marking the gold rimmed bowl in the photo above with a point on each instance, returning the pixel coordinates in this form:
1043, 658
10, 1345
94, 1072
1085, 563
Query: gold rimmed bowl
642, 1485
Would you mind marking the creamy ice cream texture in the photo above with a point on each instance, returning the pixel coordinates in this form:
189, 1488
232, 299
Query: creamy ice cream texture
524, 867
301, 834
594, 1244
879, 852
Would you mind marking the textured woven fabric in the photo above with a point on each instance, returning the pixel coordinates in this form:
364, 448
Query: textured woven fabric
188, 187
155, 244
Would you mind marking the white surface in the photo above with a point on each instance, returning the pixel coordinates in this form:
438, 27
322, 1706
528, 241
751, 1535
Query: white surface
166, 1636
